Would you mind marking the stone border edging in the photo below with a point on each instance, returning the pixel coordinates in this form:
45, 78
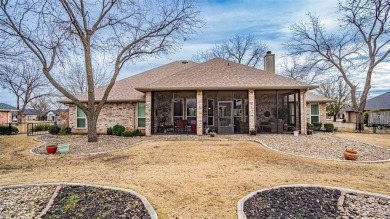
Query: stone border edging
253, 140
146, 203
240, 203
319, 158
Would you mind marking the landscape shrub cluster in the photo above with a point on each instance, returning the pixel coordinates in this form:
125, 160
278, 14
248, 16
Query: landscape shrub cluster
120, 130
4, 130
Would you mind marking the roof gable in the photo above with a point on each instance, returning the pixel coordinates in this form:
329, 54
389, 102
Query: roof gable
6, 107
380, 102
221, 74
311, 98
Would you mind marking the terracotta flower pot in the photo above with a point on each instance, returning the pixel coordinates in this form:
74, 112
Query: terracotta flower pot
350, 155
51, 149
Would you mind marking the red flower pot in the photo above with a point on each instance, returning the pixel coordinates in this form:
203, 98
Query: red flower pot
350, 155
51, 149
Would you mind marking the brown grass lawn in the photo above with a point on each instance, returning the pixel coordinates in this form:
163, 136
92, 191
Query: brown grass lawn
190, 179
382, 140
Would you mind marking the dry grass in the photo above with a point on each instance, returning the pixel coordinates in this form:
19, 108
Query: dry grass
382, 140
192, 179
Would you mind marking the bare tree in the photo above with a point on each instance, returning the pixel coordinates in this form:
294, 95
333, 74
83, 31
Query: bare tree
25, 81
74, 79
41, 105
338, 91
120, 30
360, 45
243, 49
304, 70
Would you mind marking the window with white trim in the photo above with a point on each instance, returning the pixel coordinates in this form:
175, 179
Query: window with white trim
81, 118
141, 114
314, 113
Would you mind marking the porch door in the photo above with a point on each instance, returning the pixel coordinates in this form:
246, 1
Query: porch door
225, 117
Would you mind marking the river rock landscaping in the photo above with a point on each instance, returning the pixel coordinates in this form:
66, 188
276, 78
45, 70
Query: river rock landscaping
322, 145
315, 202
69, 201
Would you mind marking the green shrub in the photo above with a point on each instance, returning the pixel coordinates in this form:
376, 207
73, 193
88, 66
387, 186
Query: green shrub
317, 126
310, 126
137, 132
109, 131
39, 128
118, 130
4, 130
54, 129
65, 131
127, 134
329, 127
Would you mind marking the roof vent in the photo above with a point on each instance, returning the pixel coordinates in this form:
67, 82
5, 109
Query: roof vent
184, 62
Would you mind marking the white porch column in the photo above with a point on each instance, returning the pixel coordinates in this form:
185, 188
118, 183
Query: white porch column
303, 121
148, 109
199, 112
252, 110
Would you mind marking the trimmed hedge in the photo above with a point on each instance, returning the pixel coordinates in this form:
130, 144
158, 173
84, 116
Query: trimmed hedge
329, 127
4, 130
118, 130
54, 129
137, 132
310, 126
317, 126
127, 134
39, 128
109, 131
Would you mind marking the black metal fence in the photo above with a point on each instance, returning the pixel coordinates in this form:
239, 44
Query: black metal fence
38, 128
8, 129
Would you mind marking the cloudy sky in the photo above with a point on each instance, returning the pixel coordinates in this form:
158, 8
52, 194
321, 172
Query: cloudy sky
269, 20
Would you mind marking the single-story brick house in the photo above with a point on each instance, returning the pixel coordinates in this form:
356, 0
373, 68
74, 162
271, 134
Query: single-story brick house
380, 103
216, 95
6, 113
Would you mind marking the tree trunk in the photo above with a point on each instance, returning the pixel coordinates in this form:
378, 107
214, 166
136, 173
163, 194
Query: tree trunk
92, 133
359, 121
334, 118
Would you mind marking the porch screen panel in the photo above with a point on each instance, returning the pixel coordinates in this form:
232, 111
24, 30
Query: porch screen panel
178, 111
191, 111
210, 112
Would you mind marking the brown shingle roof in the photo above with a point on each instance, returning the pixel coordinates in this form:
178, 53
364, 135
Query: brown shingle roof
311, 97
124, 90
220, 74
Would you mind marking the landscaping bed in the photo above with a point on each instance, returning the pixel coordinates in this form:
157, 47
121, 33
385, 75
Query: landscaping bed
315, 202
321, 145
324, 146
70, 201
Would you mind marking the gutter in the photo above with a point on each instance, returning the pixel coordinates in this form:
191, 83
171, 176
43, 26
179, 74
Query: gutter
146, 89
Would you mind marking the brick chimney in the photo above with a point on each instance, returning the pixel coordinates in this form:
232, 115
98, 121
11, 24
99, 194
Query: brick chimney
269, 62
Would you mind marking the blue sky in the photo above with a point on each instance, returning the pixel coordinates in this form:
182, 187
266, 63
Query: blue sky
267, 19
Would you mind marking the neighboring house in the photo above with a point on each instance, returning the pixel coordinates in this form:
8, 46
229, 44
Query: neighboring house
217, 95
381, 102
52, 115
6, 113
316, 107
29, 115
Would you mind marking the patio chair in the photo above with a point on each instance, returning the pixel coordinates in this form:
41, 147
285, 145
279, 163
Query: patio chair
181, 125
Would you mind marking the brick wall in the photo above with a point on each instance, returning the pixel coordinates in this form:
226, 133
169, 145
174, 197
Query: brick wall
110, 115
5, 117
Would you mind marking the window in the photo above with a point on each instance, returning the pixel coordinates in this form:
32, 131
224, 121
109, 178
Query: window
81, 119
210, 112
141, 112
178, 112
191, 111
315, 113
29, 118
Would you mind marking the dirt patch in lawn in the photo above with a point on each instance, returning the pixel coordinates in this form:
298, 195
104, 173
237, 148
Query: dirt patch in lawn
382, 140
189, 179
